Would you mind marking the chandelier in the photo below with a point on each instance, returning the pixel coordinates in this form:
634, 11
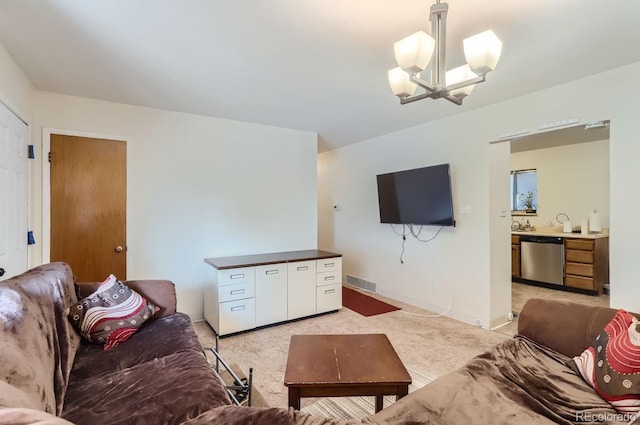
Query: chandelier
413, 54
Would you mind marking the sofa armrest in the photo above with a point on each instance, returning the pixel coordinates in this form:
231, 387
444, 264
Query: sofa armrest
566, 327
160, 292
24, 416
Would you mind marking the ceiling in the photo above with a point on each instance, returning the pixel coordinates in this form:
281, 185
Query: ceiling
313, 65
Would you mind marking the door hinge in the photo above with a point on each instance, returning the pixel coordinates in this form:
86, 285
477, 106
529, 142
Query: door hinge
30, 152
49, 156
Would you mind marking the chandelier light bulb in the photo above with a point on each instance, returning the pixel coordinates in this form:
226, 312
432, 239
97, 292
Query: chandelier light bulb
401, 83
482, 52
458, 75
414, 52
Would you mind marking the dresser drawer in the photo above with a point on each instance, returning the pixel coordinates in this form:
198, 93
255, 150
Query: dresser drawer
581, 244
576, 256
233, 276
328, 298
580, 282
301, 268
271, 272
236, 292
329, 265
328, 278
236, 316
580, 269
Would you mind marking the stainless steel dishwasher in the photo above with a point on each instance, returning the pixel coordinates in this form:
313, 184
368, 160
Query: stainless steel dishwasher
542, 259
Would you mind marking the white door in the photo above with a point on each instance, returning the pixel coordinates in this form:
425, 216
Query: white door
13, 194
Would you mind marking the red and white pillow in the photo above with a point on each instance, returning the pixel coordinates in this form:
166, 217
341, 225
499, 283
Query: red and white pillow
612, 364
111, 314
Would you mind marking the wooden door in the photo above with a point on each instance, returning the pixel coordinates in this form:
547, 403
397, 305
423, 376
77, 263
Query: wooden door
88, 206
13, 194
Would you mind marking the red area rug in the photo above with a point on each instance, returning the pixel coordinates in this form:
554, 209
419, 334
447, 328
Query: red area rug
364, 304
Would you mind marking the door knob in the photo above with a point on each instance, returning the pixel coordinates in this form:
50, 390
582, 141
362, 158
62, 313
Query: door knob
119, 248
1, 272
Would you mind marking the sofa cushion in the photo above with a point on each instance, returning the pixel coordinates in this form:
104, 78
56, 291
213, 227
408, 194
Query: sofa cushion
111, 314
37, 342
22, 416
612, 364
517, 382
158, 338
167, 390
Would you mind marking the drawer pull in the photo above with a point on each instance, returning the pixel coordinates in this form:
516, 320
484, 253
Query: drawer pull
238, 308
329, 277
330, 265
237, 291
271, 272
303, 268
237, 276
329, 291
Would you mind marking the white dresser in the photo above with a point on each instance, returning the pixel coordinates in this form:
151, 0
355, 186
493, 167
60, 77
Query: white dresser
250, 291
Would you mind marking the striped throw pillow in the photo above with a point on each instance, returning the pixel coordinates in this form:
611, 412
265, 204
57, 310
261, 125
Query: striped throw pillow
612, 364
111, 314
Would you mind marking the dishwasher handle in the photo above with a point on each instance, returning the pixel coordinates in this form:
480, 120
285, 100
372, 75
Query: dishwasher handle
542, 239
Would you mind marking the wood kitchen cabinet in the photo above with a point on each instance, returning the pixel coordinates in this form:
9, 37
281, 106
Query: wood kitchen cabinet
586, 263
515, 256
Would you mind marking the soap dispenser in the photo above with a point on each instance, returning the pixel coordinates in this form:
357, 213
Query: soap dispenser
527, 226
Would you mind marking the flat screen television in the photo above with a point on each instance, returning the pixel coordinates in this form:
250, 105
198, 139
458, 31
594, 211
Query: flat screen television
418, 196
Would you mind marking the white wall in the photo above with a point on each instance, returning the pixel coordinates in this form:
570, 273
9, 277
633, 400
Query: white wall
457, 261
199, 187
16, 91
573, 179
473, 258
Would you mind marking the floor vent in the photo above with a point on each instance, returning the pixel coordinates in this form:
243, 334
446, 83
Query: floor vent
362, 284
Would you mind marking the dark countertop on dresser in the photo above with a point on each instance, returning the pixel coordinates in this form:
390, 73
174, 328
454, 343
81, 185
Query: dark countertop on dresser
222, 263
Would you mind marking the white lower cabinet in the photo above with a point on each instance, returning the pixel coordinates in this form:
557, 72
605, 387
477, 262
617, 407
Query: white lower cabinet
329, 297
271, 294
329, 284
236, 316
242, 296
301, 285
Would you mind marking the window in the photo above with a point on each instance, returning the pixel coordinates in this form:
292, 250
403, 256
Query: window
524, 190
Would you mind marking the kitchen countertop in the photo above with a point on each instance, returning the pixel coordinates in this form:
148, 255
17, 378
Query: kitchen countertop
560, 234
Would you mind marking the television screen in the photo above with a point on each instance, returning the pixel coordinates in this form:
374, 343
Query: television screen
419, 196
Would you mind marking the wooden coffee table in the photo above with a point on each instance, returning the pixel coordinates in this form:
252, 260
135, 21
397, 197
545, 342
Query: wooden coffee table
344, 365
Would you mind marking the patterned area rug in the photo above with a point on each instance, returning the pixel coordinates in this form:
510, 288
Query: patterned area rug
361, 407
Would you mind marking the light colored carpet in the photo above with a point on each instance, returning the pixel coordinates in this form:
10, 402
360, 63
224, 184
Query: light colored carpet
433, 345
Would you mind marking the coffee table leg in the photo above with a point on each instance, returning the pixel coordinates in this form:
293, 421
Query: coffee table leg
294, 398
379, 403
402, 391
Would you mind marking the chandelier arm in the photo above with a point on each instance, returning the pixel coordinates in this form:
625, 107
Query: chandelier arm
405, 100
453, 99
466, 83
425, 85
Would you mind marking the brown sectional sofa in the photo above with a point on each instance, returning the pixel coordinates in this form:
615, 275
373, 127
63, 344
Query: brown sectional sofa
160, 375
